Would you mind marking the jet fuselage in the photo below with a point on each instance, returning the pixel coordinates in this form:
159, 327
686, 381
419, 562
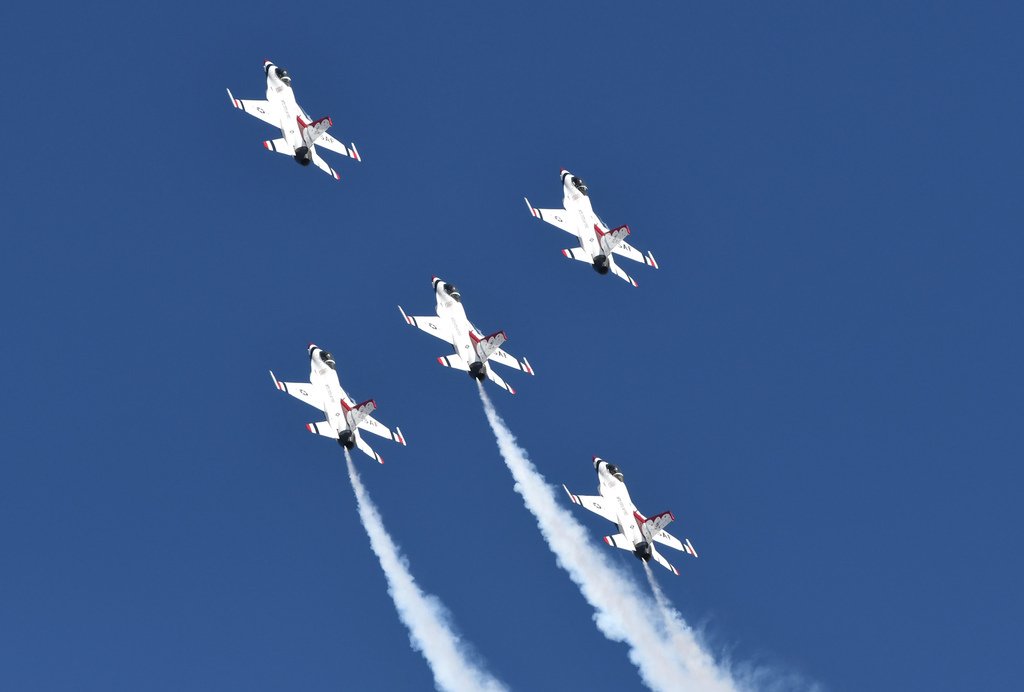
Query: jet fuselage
614, 491
451, 311
279, 93
324, 378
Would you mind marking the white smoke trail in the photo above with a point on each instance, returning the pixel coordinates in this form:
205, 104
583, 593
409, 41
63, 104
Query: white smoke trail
426, 618
666, 660
680, 634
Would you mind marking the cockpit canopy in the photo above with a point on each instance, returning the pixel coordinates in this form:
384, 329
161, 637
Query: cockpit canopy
614, 470
579, 185
451, 290
327, 358
283, 75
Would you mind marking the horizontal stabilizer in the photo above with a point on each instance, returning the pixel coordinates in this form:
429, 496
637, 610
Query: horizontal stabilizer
620, 541
617, 271
660, 559
323, 165
367, 450
496, 379
579, 254
280, 145
453, 361
322, 428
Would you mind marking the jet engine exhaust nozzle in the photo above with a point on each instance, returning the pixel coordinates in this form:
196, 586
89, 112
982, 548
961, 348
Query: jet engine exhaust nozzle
601, 264
476, 371
347, 439
643, 551
302, 156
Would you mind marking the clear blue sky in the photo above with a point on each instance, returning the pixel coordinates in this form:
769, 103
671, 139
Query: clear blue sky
823, 381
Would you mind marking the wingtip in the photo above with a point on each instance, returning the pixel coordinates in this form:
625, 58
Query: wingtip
693, 551
401, 437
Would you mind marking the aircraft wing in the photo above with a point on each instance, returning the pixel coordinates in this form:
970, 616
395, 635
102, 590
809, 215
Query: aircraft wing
432, 325
331, 144
624, 249
504, 358
264, 110
303, 391
665, 538
371, 424
597, 505
555, 217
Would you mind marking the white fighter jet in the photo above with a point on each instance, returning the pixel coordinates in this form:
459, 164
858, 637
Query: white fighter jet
300, 134
637, 533
597, 242
345, 418
473, 350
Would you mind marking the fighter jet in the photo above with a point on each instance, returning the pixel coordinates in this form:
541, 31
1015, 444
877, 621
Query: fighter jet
637, 533
345, 418
473, 350
300, 134
597, 242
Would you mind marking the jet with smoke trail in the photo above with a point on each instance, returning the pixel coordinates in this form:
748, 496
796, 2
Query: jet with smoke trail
430, 629
665, 660
345, 418
637, 533
473, 350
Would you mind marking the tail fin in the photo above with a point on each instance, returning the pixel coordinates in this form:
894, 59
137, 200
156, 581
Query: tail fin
312, 131
488, 345
354, 415
612, 238
653, 525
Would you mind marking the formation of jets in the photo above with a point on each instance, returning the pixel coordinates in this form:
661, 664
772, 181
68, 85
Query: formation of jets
300, 134
475, 353
598, 243
637, 533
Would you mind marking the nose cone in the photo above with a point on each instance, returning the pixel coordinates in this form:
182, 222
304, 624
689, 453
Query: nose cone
563, 172
312, 347
597, 463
